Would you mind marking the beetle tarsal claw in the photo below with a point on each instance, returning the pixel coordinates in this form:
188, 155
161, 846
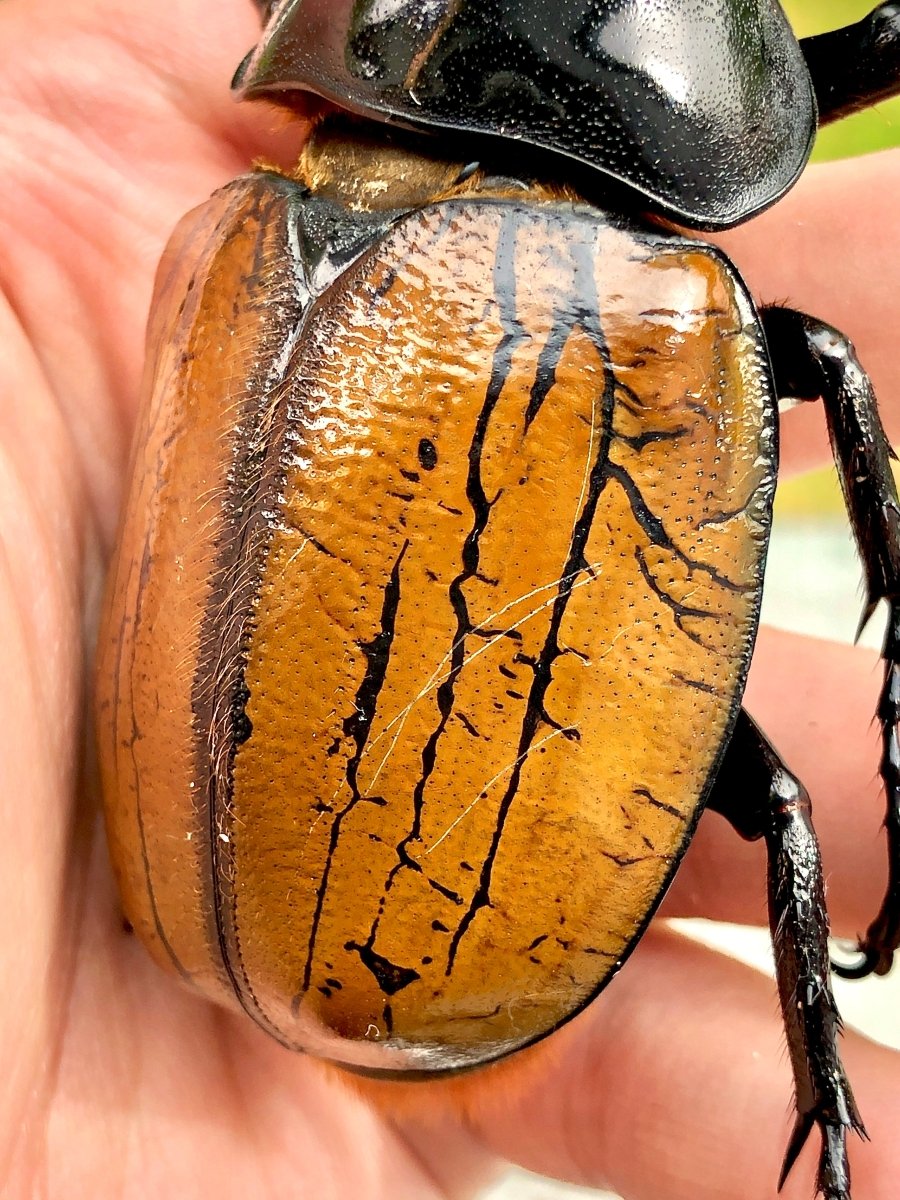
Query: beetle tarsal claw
869, 962
800, 1134
833, 1180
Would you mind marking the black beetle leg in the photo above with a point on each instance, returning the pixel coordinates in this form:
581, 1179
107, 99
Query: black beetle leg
756, 792
810, 359
856, 66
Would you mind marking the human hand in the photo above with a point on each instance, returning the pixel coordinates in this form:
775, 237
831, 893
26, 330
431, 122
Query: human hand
114, 120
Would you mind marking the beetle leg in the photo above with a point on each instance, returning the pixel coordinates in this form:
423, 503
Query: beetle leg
756, 792
855, 67
810, 359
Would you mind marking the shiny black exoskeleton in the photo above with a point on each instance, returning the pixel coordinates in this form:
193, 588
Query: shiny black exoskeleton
599, 83
703, 112
708, 110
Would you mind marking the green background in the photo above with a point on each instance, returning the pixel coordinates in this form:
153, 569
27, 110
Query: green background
866, 131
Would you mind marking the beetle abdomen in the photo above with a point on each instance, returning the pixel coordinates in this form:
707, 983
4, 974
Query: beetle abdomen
471, 582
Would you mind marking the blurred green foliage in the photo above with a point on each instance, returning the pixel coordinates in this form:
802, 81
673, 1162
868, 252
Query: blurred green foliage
866, 131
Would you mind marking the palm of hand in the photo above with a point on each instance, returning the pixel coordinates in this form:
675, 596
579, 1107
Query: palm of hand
113, 124
88, 1027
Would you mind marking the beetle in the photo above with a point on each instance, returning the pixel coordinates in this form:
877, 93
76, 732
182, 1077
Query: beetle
440, 572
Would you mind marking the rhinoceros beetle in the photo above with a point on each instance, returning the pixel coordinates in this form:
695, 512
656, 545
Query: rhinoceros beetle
440, 572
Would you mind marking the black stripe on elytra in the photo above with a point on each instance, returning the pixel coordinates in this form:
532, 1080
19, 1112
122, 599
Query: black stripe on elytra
629, 399
587, 314
631, 860
358, 726
389, 977
132, 742
504, 281
548, 363
565, 320
320, 546
447, 893
649, 436
697, 684
679, 610
467, 725
656, 532
660, 804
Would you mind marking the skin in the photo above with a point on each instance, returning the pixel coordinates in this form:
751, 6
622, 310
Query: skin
114, 119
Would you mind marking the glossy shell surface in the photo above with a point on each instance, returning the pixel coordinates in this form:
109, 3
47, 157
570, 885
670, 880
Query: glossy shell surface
433, 607
706, 108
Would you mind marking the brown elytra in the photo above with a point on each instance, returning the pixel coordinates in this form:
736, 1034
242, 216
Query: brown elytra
432, 610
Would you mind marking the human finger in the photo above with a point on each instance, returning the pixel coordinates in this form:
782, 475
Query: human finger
815, 700
116, 120
674, 1085
831, 247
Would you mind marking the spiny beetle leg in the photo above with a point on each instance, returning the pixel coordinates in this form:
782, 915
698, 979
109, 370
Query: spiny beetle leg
756, 792
810, 359
883, 935
857, 66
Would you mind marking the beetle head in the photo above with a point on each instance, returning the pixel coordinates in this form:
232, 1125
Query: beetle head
705, 107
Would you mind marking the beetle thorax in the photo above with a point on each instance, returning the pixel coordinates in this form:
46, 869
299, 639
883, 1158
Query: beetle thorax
343, 161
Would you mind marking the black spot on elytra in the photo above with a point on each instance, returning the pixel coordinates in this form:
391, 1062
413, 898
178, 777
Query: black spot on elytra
390, 977
427, 455
243, 727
